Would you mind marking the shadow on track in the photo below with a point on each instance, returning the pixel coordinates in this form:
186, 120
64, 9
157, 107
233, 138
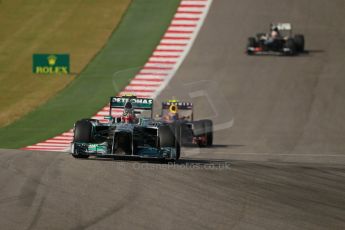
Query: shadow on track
305, 53
181, 162
191, 146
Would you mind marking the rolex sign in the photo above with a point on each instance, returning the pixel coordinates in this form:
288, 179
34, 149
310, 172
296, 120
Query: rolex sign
50, 64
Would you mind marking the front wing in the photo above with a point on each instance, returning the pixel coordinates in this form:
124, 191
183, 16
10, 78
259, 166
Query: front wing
103, 150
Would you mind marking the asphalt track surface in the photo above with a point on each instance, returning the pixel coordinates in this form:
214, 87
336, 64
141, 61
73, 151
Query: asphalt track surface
278, 159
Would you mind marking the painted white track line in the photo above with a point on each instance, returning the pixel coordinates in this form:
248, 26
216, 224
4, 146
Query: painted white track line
159, 69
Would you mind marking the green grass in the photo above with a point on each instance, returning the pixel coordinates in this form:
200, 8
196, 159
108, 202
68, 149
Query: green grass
127, 49
48, 26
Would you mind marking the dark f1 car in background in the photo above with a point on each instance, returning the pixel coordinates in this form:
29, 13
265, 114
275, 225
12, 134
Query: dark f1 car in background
279, 40
192, 132
129, 135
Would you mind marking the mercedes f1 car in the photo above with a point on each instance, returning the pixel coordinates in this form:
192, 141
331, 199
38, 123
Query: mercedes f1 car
279, 41
131, 134
192, 132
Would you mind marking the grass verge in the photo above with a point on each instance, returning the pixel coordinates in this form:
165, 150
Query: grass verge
78, 27
127, 49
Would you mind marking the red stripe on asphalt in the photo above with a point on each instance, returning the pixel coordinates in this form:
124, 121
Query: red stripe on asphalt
191, 6
67, 135
183, 25
164, 50
107, 109
158, 68
139, 91
172, 44
148, 79
45, 148
61, 138
143, 85
185, 19
189, 12
57, 141
165, 56
176, 38
179, 31
161, 62
155, 74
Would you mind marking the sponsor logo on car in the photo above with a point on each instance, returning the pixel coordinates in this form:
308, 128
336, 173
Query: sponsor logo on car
134, 100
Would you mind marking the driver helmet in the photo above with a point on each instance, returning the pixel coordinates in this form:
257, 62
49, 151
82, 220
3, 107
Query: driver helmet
128, 115
274, 34
173, 112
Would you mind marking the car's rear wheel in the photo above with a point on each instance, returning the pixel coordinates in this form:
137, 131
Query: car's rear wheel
299, 41
291, 45
251, 44
178, 131
209, 132
199, 130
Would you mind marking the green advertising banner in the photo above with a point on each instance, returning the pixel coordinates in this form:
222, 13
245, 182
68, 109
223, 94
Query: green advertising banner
50, 64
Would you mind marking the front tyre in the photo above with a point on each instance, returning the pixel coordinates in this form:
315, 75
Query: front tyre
170, 136
82, 133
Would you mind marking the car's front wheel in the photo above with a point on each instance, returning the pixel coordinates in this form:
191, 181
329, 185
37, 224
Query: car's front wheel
170, 136
82, 133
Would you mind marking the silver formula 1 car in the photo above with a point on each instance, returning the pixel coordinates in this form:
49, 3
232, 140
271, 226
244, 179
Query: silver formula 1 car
131, 134
279, 41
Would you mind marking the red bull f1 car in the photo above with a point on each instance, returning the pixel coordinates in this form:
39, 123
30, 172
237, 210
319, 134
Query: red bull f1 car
192, 132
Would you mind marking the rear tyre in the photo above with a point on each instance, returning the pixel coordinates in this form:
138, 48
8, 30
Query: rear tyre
209, 132
290, 43
178, 130
82, 133
200, 133
251, 44
299, 41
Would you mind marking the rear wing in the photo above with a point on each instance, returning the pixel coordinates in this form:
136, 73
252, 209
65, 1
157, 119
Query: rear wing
180, 105
281, 26
183, 110
137, 103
